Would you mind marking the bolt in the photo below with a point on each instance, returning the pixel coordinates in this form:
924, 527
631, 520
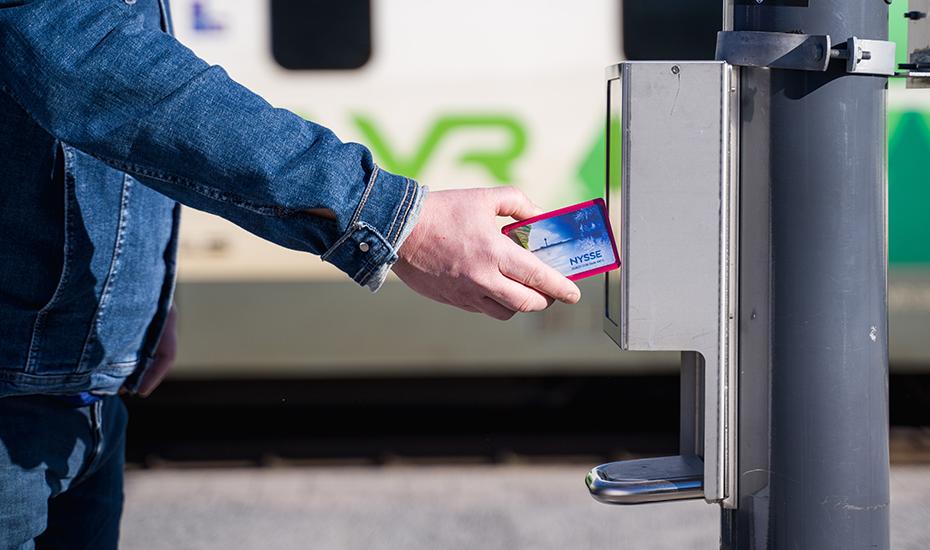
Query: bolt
675, 69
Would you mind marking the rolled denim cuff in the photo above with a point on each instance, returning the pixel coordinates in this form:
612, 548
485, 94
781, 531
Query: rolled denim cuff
384, 217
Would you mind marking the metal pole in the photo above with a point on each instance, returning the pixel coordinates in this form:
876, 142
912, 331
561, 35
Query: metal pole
813, 423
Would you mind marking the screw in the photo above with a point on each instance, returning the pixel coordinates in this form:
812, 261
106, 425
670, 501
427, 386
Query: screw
675, 69
915, 15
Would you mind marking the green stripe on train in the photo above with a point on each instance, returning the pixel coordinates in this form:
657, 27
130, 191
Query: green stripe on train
909, 187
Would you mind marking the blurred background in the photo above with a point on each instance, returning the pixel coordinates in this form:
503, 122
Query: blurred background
302, 407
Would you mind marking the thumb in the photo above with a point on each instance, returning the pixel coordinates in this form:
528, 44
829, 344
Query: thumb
514, 203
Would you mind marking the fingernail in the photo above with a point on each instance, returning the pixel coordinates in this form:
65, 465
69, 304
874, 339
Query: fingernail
572, 297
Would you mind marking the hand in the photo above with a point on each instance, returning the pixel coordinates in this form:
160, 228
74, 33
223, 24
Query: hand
457, 255
164, 356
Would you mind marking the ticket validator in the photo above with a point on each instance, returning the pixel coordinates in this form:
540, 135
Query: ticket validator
672, 153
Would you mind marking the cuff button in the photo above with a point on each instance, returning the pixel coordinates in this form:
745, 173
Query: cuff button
364, 247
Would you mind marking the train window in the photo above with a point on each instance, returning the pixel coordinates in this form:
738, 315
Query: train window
321, 34
671, 29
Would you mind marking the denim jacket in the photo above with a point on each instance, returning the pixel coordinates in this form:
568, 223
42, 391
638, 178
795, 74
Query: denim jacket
105, 121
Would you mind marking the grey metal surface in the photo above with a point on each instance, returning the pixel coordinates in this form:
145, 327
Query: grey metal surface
666, 478
647, 480
813, 311
691, 404
432, 508
776, 50
677, 219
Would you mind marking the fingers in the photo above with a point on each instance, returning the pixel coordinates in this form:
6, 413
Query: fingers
506, 297
514, 203
155, 374
521, 266
164, 355
517, 297
493, 309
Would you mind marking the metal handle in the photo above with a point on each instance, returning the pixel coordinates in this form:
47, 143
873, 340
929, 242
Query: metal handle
647, 480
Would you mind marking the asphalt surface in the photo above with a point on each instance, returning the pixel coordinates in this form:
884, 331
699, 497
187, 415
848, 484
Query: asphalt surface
505, 507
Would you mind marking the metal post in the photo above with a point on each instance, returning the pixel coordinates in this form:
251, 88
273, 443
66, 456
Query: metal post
813, 426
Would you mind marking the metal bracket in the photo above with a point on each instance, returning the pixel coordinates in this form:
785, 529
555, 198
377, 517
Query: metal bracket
776, 50
867, 56
804, 52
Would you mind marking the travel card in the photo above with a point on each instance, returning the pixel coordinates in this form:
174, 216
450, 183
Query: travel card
576, 240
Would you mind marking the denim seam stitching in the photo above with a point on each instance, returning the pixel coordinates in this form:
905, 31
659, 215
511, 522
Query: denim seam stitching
361, 205
9, 374
96, 427
166, 24
149, 348
355, 224
368, 267
204, 190
397, 212
358, 226
407, 208
326, 255
39, 323
107, 290
415, 206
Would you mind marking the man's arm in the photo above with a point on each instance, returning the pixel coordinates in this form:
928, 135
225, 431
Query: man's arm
135, 98
92, 76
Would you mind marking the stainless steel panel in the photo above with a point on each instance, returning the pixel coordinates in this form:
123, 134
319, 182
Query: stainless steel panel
647, 480
676, 288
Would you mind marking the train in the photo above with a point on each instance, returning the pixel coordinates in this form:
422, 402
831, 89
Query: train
465, 94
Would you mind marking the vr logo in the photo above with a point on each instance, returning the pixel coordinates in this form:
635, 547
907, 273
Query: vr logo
498, 162
596, 255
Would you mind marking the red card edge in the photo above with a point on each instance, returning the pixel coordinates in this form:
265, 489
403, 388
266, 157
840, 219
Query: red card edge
545, 215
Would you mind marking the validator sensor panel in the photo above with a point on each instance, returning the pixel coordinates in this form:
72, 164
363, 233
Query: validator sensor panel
673, 202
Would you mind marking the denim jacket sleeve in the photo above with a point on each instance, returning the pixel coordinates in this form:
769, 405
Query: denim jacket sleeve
95, 77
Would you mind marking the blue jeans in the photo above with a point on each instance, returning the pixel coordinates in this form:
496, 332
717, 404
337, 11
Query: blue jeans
61, 473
